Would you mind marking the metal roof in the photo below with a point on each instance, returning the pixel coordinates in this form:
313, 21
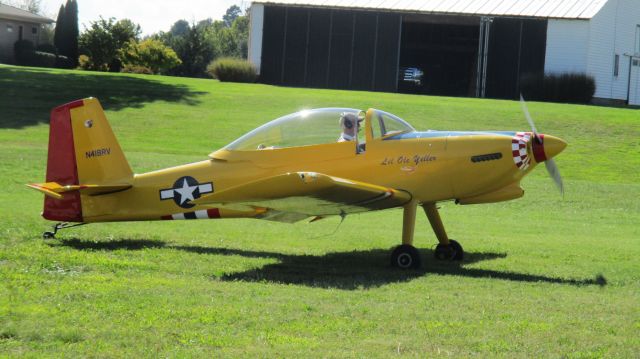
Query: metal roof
13, 13
558, 9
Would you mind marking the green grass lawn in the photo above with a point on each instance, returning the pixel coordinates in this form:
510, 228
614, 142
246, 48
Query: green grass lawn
544, 276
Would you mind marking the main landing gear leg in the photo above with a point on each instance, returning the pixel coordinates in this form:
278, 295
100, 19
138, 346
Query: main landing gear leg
406, 256
57, 227
447, 249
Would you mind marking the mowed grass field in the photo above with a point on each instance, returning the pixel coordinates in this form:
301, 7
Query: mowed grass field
544, 276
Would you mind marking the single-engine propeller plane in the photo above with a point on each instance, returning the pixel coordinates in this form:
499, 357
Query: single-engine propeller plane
309, 164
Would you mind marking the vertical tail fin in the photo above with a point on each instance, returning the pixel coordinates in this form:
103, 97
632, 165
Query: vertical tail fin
83, 151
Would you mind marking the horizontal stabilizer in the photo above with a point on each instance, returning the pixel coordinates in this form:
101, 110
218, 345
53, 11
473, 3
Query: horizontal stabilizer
56, 190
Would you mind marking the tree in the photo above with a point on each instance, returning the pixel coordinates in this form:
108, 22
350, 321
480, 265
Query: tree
240, 29
58, 36
102, 41
195, 53
125, 31
98, 44
198, 44
179, 28
32, 6
71, 31
150, 53
230, 16
65, 37
229, 41
191, 47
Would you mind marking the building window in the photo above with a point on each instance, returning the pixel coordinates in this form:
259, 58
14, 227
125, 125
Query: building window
9, 28
637, 39
616, 65
34, 30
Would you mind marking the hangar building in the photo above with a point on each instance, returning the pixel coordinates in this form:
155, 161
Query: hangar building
481, 48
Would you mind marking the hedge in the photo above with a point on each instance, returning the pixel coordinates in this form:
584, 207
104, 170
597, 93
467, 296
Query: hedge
564, 87
232, 70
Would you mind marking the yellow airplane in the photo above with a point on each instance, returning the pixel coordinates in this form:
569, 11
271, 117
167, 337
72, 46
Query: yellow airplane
310, 164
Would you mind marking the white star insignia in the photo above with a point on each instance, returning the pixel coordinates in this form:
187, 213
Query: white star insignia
186, 192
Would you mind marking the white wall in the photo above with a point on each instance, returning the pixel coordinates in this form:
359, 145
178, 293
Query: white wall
612, 31
7, 39
590, 46
256, 23
567, 44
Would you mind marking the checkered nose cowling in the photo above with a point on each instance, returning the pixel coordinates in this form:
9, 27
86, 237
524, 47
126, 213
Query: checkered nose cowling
519, 150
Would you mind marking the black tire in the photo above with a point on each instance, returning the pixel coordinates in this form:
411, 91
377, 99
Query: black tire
48, 235
452, 252
459, 252
405, 257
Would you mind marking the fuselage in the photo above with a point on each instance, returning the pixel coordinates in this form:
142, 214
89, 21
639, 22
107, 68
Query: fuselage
432, 166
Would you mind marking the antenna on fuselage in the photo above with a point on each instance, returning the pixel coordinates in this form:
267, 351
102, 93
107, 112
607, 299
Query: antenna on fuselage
342, 215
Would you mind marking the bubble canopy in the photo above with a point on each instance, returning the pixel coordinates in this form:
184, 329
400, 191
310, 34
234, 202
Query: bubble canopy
308, 127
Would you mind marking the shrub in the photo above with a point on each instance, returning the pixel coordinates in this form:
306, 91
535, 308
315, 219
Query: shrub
232, 70
47, 48
565, 87
64, 62
137, 69
149, 54
86, 63
24, 52
44, 59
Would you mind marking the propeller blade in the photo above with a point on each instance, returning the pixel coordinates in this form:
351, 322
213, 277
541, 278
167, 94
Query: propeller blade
550, 164
528, 117
552, 168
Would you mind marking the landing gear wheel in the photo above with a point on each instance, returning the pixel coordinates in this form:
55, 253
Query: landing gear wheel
405, 257
48, 235
452, 252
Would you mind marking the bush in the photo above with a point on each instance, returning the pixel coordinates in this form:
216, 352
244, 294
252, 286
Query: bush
27, 55
565, 87
47, 48
24, 52
86, 63
232, 70
137, 69
149, 54
44, 59
63, 62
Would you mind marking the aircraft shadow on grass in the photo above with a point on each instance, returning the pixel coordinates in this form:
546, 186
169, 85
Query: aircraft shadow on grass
29, 94
340, 270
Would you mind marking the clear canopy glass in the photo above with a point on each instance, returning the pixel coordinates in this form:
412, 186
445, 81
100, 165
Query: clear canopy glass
312, 127
385, 124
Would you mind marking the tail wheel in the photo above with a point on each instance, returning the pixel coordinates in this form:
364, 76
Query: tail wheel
451, 252
405, 257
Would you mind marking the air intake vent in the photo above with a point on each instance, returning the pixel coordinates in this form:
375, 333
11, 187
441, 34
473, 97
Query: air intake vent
487, 157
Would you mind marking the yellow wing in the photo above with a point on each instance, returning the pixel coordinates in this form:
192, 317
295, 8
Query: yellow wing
295, 196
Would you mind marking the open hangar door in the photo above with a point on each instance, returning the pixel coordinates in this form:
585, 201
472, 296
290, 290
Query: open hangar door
516, 50
470, 55
330, 48
444, 49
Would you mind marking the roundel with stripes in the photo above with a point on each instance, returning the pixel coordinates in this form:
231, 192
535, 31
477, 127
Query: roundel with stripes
519, 150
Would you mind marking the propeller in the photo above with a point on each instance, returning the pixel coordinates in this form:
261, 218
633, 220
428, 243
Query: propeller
549, 163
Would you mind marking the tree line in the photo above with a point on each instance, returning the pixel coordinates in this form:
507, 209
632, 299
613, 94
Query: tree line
187, 49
